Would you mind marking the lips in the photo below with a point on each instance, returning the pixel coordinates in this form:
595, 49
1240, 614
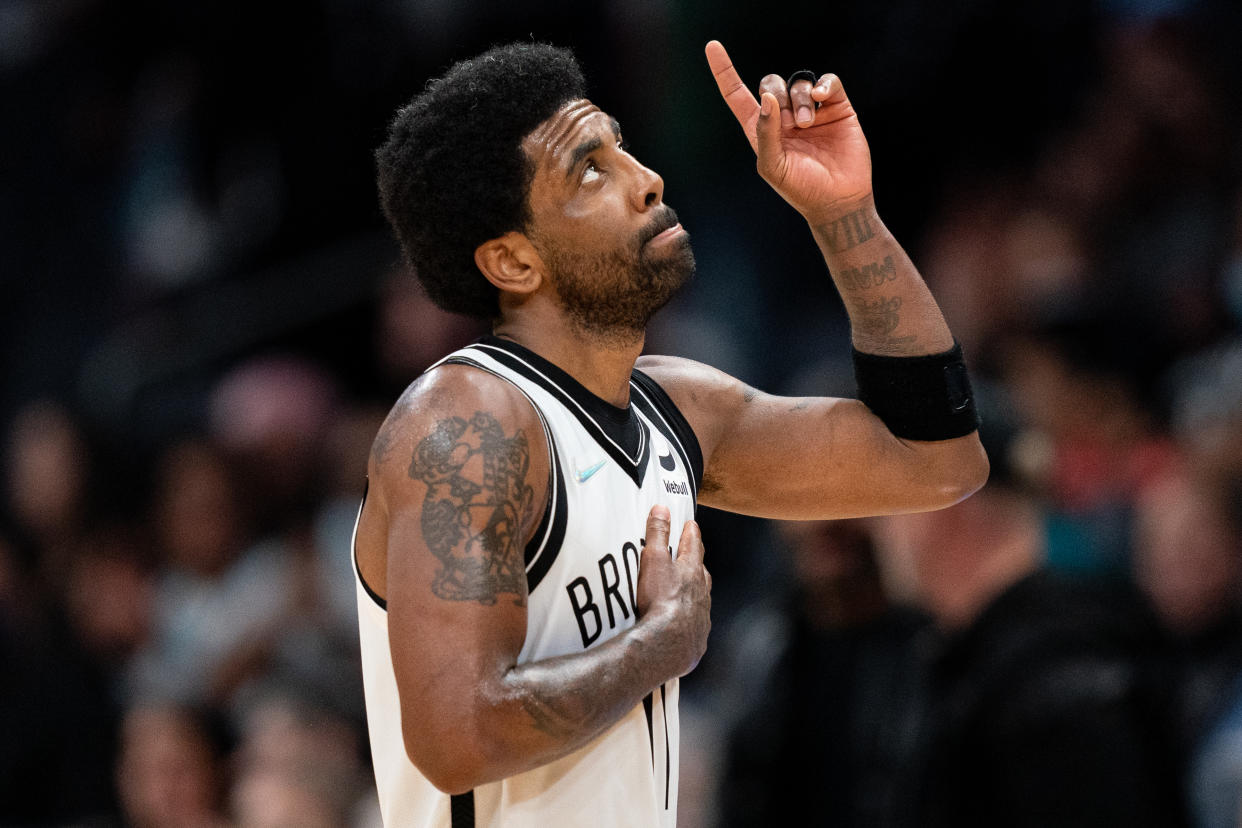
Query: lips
665, 220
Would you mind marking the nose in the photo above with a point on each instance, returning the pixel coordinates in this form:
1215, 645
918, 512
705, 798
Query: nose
648, 188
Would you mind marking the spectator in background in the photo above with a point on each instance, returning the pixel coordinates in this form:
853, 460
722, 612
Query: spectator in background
271, 415
1041, 708
1082, 385
107, 597
298, 766
1207, 415
170, 770
1188, 555
57, 712
828, 677
221, 599
411, 332
46, 491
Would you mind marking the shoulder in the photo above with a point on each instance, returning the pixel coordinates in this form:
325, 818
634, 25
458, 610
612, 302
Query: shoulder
707, 397
682, 377
440, 410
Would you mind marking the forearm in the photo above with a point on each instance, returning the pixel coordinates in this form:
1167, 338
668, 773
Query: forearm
532, 714
891, 311
567, 701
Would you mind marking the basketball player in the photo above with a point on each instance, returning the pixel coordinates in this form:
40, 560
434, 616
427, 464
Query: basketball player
524, 616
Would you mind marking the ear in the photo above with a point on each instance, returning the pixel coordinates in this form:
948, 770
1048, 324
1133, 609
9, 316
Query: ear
511, 263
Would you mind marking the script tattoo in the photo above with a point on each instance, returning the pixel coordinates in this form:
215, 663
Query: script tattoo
477, 502
869, 275
851, 230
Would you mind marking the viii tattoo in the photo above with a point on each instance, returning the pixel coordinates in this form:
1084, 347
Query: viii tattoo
851, 230
477, 502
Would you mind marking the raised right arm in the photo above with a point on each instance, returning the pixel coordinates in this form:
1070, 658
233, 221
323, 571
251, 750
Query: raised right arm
459, 477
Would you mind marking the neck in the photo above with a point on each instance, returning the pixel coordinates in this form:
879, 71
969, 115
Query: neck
602, 363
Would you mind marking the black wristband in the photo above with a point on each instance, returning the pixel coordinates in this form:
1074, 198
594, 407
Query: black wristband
921, 397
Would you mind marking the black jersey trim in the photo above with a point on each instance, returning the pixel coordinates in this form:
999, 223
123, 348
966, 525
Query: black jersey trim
655, 402
539, 558
668, 754
650, 726
461, 810
544, 546
353, 551
618, 431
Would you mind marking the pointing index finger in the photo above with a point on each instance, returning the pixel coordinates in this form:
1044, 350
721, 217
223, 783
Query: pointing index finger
740, 100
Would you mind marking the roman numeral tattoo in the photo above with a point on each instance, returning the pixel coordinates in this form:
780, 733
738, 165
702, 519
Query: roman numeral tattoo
477, 502
849, 231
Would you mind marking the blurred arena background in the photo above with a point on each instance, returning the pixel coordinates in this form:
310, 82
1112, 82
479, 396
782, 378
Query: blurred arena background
204, 320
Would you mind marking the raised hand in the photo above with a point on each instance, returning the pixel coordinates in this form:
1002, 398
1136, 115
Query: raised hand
816, 158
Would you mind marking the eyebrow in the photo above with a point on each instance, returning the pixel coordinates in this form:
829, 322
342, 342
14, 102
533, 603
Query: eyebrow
581, 152
589, 146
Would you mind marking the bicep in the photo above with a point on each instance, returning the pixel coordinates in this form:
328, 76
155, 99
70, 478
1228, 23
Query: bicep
809, 458
460, 508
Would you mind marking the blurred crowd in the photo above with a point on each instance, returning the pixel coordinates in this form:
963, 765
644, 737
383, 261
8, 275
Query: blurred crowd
205, 323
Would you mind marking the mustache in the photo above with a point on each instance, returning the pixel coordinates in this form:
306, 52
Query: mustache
664, 219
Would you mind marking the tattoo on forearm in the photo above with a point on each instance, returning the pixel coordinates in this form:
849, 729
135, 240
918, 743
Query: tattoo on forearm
851, 230
869, 275
546, 719
477, 502
878, 319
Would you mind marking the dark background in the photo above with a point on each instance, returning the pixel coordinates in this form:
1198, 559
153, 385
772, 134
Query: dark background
187, 192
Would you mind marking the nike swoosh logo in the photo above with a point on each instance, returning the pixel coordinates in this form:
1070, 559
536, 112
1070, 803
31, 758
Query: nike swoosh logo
585, 474
667, 463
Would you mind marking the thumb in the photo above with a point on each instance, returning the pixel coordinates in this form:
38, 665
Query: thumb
768, 134
657, 530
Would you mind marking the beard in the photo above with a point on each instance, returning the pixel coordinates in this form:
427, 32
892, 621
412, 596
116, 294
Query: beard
612, 296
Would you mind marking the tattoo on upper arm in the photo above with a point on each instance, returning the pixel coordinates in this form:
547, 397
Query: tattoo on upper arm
851, 230
389, 432
477, 502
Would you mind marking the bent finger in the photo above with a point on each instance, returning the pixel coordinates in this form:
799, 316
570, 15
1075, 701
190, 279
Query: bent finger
828, 92
801, 102
774, 85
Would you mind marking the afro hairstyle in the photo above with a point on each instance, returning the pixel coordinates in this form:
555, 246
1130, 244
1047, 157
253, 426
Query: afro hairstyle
452, 173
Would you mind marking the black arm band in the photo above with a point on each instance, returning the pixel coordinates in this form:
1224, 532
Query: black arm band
921, 397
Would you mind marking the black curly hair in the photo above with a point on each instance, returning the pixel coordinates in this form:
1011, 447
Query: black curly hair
452, 173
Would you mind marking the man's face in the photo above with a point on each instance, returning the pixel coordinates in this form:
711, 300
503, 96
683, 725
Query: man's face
614, 252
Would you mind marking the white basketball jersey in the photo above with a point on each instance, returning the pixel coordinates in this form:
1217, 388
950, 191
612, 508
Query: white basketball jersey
609, 467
